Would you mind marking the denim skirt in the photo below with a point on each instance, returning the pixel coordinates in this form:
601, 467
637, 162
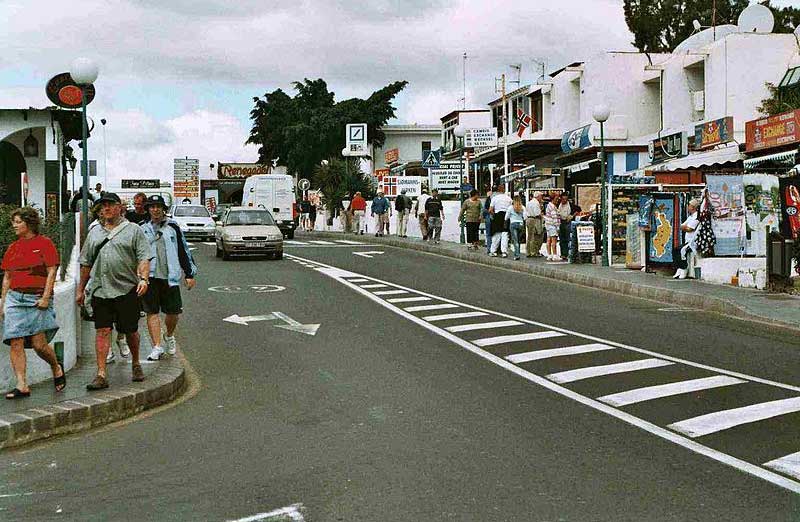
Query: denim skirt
22, 318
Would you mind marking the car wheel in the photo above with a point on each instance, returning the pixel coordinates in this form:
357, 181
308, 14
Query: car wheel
290, 234
277, 255
219, 251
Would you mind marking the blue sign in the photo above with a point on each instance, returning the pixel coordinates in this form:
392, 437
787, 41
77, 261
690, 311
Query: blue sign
431, 159
576, 139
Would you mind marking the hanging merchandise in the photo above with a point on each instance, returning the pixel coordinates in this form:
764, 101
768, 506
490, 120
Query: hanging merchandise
705, 238
762, 210
790, 207
663, 230
726, 197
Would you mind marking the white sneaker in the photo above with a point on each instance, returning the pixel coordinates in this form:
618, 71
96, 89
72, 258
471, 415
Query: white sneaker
172, 345
155, 354
122, 344
110, 356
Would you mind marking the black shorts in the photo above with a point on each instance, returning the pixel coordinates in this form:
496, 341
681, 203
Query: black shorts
161, 297
121, 313
473, 232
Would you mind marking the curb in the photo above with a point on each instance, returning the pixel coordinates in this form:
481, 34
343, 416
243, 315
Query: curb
665, 295
90, 411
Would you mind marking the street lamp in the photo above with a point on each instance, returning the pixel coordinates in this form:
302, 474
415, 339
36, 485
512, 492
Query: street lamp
460, 132
84, 72
601, 113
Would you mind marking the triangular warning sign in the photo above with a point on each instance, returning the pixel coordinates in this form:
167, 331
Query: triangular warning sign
431, 161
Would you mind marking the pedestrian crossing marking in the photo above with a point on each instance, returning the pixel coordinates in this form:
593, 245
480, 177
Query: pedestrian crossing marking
347, 242
293, 242
391, 292
502, 339
425, 308
790, 465
360, 280
209, 243
408, 299
319, 242
649, 393
520, 358
457, 315
481, 326
606, 369
726, 419
379, 285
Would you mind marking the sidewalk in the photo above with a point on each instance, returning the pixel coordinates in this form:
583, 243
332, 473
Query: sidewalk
780, 310
46, 413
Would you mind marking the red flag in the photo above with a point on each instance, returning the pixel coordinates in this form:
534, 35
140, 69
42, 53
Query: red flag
523, 122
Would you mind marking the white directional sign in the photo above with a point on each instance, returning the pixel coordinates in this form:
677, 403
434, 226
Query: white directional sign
447, 178
368, 255
485, 137
356, 137
290, 324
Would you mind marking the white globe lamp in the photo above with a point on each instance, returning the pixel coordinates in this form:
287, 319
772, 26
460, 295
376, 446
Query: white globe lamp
84, 71
601, 113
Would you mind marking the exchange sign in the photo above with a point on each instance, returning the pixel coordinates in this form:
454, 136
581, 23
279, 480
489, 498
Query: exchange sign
484, 137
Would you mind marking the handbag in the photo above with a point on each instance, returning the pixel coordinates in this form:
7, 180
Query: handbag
87, 314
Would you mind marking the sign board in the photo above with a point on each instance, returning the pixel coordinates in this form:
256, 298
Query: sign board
775, 131
92, 168
668, 147
585, 237
713, 133
431, 159
64, 92
141, 183
483, 137
242, 170
446, 179
388, 185
303, 184
186, 178
411, 184
576, 139
212, 200
356, 136
391, 156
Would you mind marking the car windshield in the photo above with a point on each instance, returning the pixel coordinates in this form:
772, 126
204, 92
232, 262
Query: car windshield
249, 217
191, 212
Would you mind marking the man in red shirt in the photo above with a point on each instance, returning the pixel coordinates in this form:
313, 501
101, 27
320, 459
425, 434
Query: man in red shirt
359, 208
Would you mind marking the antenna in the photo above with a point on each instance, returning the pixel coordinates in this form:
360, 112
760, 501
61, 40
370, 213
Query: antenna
542, 65
464, 82
517, 67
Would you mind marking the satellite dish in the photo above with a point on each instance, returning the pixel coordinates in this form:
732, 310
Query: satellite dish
756, 18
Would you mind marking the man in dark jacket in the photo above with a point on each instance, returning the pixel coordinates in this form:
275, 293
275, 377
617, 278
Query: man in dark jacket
434, 211
380, 210
403, 206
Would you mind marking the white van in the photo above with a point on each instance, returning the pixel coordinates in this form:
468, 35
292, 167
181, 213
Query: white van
274, 192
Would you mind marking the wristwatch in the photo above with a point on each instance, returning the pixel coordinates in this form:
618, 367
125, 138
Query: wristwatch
144, 280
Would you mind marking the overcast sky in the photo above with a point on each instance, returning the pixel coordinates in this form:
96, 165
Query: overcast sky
177, 77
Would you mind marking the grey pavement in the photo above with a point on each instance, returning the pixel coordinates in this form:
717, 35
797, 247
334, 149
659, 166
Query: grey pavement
777, 309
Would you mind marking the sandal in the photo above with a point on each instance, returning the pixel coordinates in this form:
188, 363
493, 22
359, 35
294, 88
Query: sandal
60, 382
16, 393
99, 383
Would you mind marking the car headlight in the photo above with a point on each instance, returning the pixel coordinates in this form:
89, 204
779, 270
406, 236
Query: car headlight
231, 237
274, 237
183, 227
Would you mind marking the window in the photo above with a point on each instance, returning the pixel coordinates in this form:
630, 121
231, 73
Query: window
426, 148
537, 112
191, 211
249, 217
497, 119
631, 161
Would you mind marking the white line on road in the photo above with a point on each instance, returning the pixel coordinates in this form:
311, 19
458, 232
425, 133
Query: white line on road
606, 369
293, 242
491, 341
294, 512
377, 285
360, 280
457, 315
346, 242
649, 393
519, 358
409, 299
391, 292
790, 465
425, 308
320, 242
723, 420
209, 243
481, 326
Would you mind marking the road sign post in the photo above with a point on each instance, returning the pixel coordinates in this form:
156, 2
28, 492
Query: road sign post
356, 140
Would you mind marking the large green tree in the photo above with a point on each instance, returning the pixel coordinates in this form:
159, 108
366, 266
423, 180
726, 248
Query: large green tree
660, 25
299, 132
340, 179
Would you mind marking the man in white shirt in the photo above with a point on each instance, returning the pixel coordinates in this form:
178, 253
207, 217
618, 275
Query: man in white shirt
534, 225
419, 213
500, 203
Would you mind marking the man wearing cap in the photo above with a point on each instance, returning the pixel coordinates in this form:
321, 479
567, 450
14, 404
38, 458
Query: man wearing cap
403, 207
115, 268
381, 209
172, 261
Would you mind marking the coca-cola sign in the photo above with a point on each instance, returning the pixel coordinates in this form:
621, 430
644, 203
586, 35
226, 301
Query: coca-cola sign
241, 170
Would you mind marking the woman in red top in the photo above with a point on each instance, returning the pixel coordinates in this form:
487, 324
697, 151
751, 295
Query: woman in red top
30, 265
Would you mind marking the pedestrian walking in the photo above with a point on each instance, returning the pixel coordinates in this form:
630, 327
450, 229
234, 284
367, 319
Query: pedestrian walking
565, 216
312, 216
403, 206
434, 212
515, 220
172, 260
305, 208
471, 214
682, 254
487, 221
115, 271
359, 208
551, 226
498, 207
419, 213
380, 211
29, 265
138, 215
534, 226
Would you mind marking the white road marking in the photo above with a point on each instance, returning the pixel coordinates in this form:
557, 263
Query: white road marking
360, 280
789, 465
346, 242
293, 242
209, 243
519, 358
491, 341
457, 315
425, 308
409, 299
606, 369
377, 285
729, 460
320, 242
481, 326
667, 390
368, 254
723, 420
391, 292
294, 512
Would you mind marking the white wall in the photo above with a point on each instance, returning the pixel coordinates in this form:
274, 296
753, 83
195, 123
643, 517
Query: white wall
409, 144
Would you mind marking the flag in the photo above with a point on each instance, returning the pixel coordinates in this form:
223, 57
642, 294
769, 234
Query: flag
388, 185
523, 122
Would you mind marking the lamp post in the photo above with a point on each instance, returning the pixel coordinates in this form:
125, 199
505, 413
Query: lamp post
459, 132
84, 72
601, 113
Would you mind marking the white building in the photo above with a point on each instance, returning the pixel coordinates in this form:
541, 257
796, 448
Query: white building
405, 145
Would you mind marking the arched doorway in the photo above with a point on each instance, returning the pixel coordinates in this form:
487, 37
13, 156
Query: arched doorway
12, 164
236, 197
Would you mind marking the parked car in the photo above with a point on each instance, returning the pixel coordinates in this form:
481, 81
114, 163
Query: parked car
248, 231
195, 222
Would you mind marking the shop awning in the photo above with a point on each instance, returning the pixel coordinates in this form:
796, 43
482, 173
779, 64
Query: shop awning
779, 159
528, 173
702, 159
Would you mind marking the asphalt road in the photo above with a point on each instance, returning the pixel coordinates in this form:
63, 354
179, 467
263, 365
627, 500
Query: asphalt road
391, 412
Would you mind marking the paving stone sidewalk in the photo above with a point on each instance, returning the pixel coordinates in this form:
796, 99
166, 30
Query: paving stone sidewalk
780, 310
47, 413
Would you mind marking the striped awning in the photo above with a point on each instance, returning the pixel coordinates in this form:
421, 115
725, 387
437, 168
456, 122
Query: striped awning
779, 159
702, 159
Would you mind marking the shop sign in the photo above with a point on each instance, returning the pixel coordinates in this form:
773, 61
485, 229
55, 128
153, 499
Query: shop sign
576, 139
790, 203
411, 184
392, 156
380, 173
668, 147
241, 170
64, 92
481, 137
585, 238
141, 183
713, 133
447, 178
775, 131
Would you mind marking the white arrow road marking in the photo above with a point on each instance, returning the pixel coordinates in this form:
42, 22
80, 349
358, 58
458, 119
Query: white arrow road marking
294, 326
294, 512
237, 319
367, 254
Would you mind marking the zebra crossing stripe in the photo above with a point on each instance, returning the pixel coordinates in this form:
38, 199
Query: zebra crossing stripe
481, 326
360, 280
606, 369
408, 299
293, 242
320, 242
501, 339
391, 292
377, 285
790, 465
457, 315
723, 420
347, 242
425, 308
537, 355
649, 393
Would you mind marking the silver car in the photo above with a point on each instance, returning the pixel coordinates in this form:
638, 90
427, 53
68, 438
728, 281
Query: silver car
195, 222
248, 231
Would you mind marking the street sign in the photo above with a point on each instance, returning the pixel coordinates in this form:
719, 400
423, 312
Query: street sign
431, 159
303, 184
141, 183
586, 238
356, 137
447, 178
186, 179
411, 184
483, 137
